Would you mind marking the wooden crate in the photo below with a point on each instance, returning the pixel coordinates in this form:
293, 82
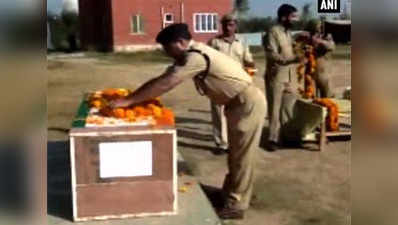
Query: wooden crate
121, 172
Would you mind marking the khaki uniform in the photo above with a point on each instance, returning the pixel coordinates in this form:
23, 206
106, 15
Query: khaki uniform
278, 46
322, 69
240, 53
236, 50
227, 83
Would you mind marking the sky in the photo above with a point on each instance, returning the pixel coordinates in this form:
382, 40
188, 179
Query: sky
260, 8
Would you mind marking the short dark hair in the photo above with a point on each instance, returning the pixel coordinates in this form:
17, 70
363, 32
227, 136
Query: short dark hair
285, 10
173, 32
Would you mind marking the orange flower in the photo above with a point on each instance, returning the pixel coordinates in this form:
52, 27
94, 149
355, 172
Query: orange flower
130, 114
167, 117
119, 113
156, 110
332, 119
139, 110
96, 103
152, 107
122, 92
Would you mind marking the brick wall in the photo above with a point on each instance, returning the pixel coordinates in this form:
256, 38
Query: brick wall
106, 24
151, 11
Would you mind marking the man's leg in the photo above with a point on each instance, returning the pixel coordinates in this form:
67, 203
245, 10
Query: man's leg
277, 89
324, 84
219, 126
268, 95
245, 124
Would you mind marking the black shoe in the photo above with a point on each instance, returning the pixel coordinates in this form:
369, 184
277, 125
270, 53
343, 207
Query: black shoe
293, 144
220, 151
272, 146
227, 213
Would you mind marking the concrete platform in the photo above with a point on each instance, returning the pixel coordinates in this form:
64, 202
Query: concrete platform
193, 206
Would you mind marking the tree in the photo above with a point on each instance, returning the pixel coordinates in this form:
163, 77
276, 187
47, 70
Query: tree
306, 14
241, 7
322, 17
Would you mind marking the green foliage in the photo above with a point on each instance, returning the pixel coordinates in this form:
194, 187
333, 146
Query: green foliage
242, 6
60, 27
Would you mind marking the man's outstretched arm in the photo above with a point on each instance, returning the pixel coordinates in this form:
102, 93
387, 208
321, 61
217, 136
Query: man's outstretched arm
151, 89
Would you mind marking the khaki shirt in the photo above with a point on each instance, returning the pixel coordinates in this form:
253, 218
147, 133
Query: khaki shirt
226, 77
235, 49
278, 46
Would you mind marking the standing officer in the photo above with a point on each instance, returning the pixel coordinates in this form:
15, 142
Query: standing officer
230, 45
224, 82
281, 68
323, 46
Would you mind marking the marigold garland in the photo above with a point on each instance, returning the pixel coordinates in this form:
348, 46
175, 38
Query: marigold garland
151, 108
307, 71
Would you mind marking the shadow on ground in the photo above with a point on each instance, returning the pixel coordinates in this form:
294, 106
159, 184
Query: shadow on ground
194, 135
214, 195
199, 111
59, 198
196, 146
191, 120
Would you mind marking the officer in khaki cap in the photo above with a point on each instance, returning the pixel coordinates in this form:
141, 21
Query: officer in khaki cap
323, 45
224, 82
280, 74
230, 45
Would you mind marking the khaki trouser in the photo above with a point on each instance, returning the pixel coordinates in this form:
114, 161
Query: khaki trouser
245, 119
275, 86
220, 133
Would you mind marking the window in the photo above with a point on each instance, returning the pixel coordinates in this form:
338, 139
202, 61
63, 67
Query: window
137, 24
205, 22
168, 19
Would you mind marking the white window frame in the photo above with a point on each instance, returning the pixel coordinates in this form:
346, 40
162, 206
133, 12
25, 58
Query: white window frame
139, 22
165, 22
206, 30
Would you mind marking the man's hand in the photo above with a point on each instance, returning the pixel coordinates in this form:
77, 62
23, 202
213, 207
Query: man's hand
118, 103
300, 59
303, 60
290, 88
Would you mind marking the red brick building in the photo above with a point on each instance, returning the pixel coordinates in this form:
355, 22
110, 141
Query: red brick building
125, 25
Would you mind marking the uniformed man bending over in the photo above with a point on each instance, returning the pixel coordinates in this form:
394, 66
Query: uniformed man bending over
224, 82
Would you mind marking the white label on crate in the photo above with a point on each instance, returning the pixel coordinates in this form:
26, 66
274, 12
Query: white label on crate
125, 159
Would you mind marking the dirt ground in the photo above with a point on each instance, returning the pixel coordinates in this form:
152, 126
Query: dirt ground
293, 186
